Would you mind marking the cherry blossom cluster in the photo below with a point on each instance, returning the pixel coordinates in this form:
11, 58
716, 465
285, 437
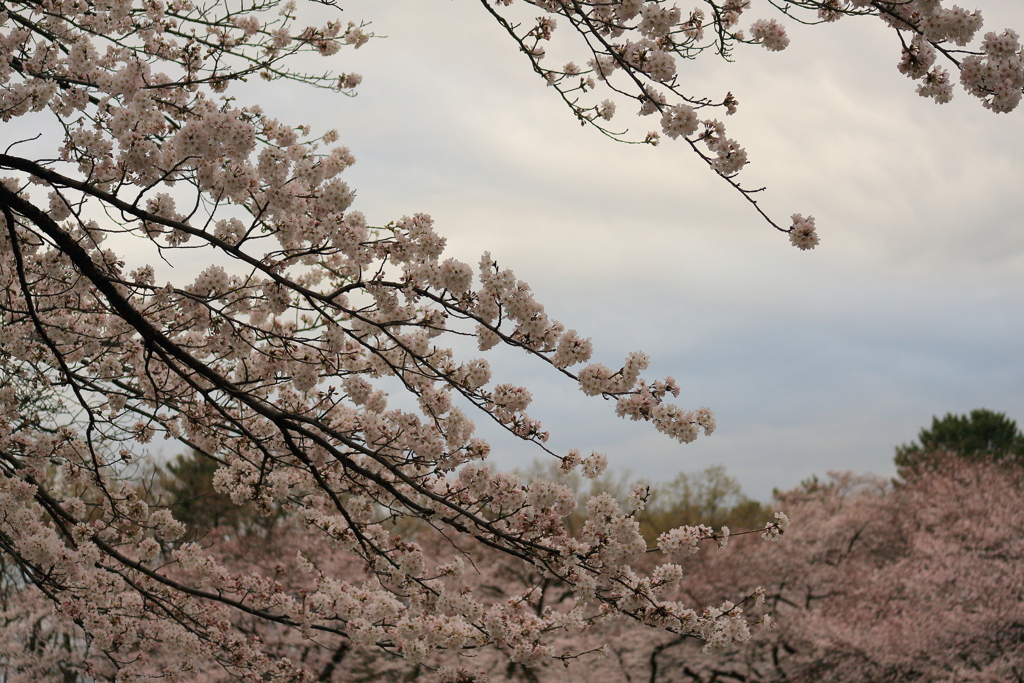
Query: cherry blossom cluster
802, 234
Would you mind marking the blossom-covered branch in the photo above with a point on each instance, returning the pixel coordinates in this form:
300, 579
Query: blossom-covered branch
631, 50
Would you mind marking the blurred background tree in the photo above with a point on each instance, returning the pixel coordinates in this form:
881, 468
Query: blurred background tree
710, 496
186, 487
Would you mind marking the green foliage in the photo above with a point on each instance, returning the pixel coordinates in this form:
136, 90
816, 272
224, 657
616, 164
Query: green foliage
983, 435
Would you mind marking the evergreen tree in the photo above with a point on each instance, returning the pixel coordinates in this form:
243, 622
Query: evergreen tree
983, 435
195, 502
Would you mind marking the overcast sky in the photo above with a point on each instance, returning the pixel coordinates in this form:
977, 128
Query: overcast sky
812, 361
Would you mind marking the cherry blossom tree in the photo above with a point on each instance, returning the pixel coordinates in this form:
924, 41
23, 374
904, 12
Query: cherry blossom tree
268, 363
874, 582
